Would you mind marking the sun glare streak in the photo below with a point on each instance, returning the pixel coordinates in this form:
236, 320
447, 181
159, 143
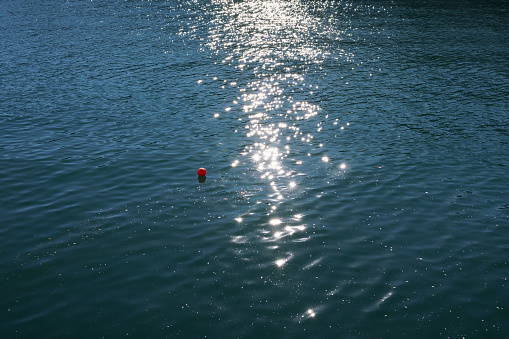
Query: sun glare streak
267, 42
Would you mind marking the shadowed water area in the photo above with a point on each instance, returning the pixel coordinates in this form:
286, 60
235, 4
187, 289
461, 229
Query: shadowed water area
356, 156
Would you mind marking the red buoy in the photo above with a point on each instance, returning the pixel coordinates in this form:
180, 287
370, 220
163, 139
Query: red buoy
202, 171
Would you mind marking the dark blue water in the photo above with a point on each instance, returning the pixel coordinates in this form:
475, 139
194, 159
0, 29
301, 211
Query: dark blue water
356, 155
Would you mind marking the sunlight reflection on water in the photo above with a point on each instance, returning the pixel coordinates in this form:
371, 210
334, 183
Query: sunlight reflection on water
269, 42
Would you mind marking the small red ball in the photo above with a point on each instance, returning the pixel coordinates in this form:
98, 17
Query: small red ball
202, 171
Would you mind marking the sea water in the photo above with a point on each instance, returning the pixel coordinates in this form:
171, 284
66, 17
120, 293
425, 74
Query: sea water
356, 156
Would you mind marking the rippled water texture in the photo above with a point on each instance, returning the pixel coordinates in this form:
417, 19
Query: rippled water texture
356, 156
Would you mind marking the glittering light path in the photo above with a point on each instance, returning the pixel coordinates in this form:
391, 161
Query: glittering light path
268, 44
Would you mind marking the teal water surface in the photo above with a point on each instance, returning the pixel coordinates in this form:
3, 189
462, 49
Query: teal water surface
356, 156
